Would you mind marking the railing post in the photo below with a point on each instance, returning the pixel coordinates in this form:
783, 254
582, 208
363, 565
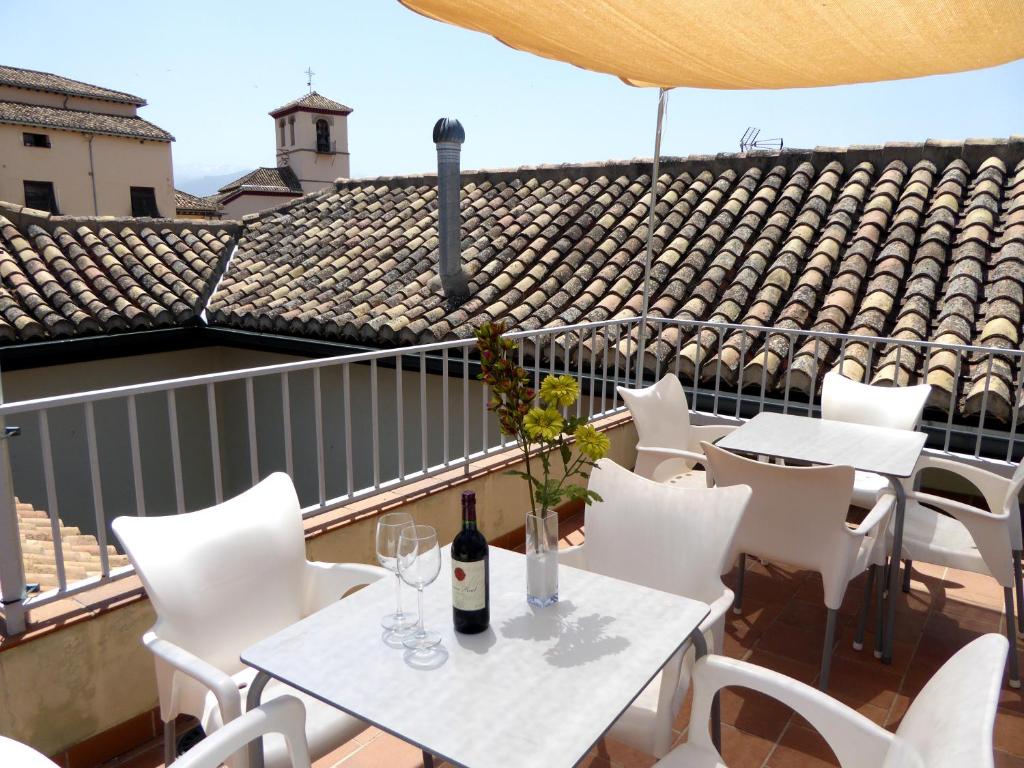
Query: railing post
12, 567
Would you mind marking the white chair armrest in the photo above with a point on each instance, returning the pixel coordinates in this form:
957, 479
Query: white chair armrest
673, 453
708, 433
284, 715
328, 582
992, 486
224, 688
959, 510
856, 740
878, 515
574, 557
990, 532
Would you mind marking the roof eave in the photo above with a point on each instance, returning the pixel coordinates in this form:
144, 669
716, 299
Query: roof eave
39, 124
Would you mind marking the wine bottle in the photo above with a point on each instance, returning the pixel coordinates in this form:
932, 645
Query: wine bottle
471, 597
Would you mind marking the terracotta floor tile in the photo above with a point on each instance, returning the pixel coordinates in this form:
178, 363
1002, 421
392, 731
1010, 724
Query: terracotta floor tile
385, 752
1009, 733
754, 712
619, 754
800, 670
800, 643
744, 750
1003, 760
150, 757
336, 756
802, 747
858, 683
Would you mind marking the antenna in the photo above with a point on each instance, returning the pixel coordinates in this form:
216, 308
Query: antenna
751, 141
309, 78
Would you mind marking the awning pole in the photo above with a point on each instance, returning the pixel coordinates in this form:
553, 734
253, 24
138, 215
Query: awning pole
642, 338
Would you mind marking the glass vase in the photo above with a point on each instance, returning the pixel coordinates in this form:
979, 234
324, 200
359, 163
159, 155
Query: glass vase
542, 560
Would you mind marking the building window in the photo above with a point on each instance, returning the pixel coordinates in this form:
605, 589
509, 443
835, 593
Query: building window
323, 136
144, 202
40, 195
281, 124
291, 130
36, 140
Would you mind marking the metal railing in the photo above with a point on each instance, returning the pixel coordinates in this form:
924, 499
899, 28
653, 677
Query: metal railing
350, 426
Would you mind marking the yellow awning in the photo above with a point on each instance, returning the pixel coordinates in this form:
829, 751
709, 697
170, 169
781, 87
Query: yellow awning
741, 44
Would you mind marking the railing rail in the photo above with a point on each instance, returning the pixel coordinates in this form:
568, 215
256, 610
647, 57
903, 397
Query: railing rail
352, 425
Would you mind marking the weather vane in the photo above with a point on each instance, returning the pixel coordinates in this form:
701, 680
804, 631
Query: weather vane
309, 78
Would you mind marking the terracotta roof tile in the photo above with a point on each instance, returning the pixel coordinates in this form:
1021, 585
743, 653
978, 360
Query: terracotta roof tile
314, 101
63, 277
927, 249
77, 120
45, 81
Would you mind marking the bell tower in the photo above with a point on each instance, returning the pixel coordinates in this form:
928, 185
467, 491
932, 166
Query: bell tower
311, 134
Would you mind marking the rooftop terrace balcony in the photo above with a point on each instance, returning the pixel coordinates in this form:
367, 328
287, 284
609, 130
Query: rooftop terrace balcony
408, 428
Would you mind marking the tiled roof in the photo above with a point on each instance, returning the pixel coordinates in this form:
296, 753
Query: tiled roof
280, 180
77, 120
185, 202
45, 81
313, 100
63, 277
918, 241
81, 551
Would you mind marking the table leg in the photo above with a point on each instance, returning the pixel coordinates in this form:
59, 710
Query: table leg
894, 568
700, 649
252, 700
428, 760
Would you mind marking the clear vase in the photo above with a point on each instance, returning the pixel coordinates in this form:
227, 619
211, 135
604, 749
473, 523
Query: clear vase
542, 560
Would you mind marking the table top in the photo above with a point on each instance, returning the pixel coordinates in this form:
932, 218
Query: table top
892, 452
539, 687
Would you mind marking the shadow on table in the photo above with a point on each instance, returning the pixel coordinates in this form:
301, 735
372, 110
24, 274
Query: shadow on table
576, 640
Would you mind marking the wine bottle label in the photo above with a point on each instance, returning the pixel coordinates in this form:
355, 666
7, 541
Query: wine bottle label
468, 589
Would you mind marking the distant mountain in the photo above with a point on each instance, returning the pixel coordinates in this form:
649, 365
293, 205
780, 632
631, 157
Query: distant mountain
207, 185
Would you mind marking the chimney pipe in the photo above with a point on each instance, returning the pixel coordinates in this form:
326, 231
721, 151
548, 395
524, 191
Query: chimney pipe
448, 138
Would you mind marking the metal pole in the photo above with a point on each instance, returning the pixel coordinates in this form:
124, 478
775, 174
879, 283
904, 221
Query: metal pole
641, 340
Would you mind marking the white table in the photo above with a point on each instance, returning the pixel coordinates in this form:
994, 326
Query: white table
890, 452
539, 687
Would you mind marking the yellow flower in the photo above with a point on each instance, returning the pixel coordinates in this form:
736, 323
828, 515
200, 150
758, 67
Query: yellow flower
592, 444
559, 390
543, 423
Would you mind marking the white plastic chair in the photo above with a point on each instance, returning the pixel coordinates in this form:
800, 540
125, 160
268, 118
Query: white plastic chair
284, 715
220, 580
674, 539
985, 541
949, 724
14, 753
844, 399
798, 516
669, 445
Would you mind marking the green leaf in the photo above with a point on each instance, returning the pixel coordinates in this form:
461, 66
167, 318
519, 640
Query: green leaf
566, 454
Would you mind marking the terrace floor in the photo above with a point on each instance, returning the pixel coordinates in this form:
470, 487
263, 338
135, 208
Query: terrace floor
783, 627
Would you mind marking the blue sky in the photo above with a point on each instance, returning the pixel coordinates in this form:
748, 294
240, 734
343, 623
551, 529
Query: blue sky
211, 71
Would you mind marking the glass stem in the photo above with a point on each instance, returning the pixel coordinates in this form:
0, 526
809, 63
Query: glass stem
398, 596
420, 631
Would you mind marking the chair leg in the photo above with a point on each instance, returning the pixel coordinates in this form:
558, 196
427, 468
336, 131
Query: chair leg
1017, 574
170, 745
737, 603
880, 583
830, 641
907, 566
862, 619
1011, 635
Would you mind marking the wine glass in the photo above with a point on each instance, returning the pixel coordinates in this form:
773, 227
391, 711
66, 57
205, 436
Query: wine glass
389, 527
419, 562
